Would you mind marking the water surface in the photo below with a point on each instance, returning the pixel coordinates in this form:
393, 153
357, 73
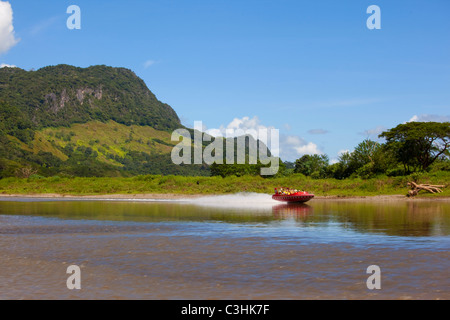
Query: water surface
244, 246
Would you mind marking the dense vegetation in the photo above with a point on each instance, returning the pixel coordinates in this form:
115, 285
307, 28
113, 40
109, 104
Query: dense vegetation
417, 145
411, 147
40, 113
63, 95
217, 185
93, 149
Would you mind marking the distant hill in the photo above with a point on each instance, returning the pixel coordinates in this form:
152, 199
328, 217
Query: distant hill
63, 95
96, 121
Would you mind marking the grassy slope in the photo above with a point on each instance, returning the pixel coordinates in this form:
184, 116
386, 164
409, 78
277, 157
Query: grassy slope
105, 138
218, 185
40, 143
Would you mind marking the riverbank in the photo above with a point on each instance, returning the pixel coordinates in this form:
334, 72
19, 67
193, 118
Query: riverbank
178, 187
168, 197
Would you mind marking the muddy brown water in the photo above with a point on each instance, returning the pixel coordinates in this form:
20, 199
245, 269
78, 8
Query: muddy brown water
227, 247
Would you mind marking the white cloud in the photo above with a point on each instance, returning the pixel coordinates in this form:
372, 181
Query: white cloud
309, 148
429, 118
7, 37
293, 141
413, 119
246, 124
4, 65
149, 63
291, 147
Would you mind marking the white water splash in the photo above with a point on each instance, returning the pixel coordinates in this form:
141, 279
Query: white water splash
238, 200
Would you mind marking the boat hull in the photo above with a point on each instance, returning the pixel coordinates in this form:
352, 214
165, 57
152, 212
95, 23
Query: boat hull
298, 198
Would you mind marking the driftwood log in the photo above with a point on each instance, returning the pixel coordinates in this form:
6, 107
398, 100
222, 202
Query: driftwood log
416, 188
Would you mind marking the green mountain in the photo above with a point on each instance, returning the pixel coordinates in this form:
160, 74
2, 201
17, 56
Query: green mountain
96, 121
63, 95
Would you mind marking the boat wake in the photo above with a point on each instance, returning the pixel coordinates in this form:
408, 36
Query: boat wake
239, 200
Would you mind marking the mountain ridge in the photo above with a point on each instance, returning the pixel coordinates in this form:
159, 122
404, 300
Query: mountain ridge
62, 95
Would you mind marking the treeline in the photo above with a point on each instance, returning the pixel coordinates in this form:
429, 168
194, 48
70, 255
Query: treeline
408, 148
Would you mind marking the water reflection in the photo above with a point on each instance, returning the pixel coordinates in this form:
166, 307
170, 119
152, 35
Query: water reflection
299, 212
401, 218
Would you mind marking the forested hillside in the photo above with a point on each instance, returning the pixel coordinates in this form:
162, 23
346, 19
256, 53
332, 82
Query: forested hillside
63, 95
96, 121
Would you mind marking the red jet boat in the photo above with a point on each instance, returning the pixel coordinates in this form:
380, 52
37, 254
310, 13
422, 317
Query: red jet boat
288, 195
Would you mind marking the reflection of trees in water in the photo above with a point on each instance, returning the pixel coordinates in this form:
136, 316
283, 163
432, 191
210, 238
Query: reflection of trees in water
135, 211
401, 218
298, 211
396, 218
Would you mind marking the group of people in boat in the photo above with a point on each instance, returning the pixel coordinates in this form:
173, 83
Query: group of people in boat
286, 191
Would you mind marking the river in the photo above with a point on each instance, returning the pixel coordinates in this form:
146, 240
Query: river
243, 246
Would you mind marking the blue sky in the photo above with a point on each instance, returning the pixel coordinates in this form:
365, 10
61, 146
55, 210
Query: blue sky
311, 69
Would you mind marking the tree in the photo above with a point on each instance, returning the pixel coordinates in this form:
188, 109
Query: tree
312, 164
365, 152
26, 172
370, 158
341, 169
418, 144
